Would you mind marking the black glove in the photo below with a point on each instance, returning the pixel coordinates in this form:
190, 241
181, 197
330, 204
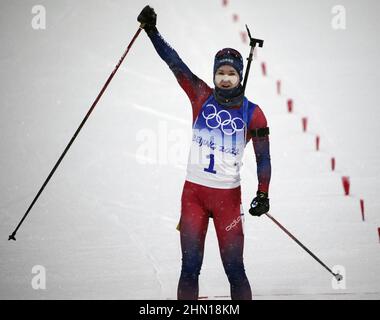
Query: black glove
260, 204
148, 17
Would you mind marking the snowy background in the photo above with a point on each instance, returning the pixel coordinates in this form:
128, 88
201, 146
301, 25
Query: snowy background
104, 228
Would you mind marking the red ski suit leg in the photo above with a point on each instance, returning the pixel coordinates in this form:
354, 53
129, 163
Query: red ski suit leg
198, 203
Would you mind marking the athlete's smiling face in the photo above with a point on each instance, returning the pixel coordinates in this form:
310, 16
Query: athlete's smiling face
226, 77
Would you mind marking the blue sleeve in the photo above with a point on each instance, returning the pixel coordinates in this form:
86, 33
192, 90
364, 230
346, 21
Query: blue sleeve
194, 87
169, 55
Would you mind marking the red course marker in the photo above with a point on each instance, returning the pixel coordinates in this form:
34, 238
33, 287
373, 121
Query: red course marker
279, 87
317, 142
243, 35
235, 17
362, 208
333, 164
225, 2
378, 231
346, 185
304, 124
264, 68
290, 105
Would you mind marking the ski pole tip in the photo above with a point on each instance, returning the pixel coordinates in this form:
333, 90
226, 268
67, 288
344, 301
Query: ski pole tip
248, 31
338, 277
12, 237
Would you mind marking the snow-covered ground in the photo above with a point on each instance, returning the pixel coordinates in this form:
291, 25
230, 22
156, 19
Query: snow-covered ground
104, 228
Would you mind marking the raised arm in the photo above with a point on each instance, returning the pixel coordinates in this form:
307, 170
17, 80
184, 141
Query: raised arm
196, 89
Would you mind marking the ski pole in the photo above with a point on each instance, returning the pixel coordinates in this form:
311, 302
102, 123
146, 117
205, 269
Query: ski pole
337, 276
12, 236
253, 42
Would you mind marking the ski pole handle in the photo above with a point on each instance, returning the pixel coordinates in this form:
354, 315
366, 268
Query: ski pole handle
252, 42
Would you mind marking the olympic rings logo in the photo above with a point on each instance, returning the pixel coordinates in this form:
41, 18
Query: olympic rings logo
222, 120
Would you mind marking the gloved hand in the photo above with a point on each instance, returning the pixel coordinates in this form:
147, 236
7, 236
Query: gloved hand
260, 204
148, 17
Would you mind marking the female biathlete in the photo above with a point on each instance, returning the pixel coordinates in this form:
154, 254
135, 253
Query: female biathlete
224, 121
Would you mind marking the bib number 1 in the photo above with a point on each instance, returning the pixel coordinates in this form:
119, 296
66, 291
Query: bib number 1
210, 168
